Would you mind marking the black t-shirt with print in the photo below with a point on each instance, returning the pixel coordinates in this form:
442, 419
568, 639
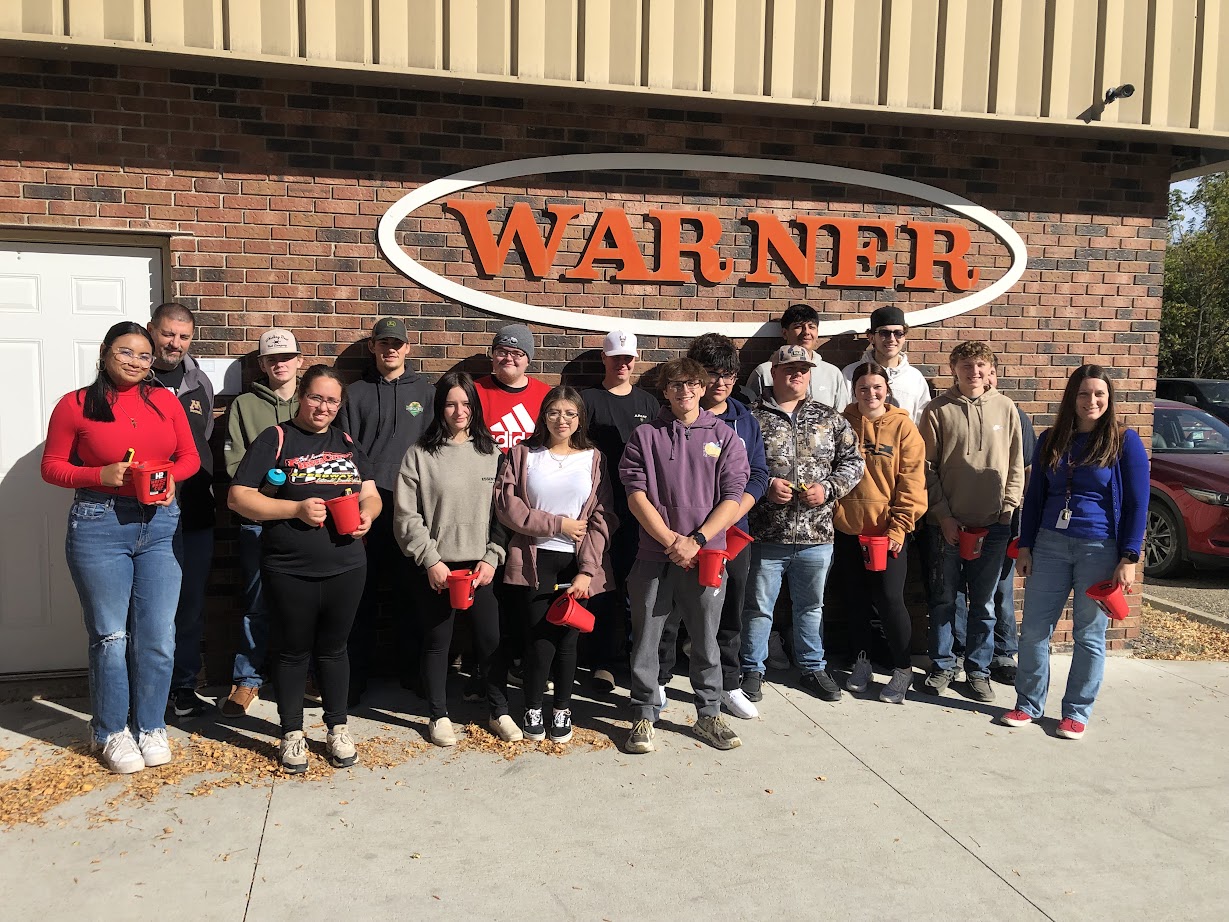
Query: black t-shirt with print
612, 419
324, 465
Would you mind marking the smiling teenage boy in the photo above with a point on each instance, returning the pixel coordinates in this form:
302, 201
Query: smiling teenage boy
685, 474
800, 327
510, 398
886, 347
974, 478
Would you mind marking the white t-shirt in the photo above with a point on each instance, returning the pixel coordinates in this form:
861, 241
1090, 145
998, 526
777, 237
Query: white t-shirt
559, 484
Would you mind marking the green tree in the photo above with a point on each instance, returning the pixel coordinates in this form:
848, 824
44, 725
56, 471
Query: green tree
1195, 312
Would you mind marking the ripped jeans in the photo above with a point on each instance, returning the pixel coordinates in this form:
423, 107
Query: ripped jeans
125, 562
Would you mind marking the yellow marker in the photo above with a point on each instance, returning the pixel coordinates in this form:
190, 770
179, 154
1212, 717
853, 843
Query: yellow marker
129, 455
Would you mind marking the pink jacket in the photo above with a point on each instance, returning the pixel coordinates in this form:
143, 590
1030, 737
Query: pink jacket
528, 523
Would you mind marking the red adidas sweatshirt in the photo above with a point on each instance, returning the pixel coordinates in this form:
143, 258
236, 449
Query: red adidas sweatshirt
510, 415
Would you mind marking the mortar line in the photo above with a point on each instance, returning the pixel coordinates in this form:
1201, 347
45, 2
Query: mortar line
259, 847
899, 793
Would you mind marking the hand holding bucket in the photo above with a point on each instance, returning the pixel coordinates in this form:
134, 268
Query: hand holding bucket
567, 612
345, 514
971, 541
711, 564
1110, 597
875, 552
736, 541
462, 584
152, 480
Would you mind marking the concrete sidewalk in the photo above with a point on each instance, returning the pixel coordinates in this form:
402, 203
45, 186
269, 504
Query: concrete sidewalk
927, 811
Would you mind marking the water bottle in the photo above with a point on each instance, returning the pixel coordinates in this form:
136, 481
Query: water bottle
274, 480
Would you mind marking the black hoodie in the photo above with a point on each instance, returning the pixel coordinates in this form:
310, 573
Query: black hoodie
385, 418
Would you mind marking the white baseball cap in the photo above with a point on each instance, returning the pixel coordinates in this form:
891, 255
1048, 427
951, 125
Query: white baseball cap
619, 343
278, 342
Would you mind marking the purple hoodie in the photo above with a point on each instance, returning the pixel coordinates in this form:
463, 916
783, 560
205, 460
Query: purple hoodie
685, 471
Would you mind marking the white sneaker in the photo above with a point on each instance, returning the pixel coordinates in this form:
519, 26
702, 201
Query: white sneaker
441, 732
155, 750
739, 704
861, 675
505, 728
342, 751
120, 753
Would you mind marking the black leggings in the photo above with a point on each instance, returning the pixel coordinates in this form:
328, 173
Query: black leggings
436, 615
868, 594
547, 643
312, 617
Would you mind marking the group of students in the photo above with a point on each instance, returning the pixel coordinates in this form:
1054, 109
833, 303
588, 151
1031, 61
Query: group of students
527, 492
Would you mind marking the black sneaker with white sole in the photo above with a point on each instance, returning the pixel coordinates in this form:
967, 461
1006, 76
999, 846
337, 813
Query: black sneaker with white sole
561, 726
532, 725
185, 703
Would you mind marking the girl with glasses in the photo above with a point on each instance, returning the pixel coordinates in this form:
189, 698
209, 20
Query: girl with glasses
123, 553
555, 496
312, 573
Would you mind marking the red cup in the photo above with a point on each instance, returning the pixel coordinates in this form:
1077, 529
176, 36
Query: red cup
874, 552
1109, 596
1013, 549
344, 510
971, 541
711, 563
735, 541
567, 612
152, 480
462, 584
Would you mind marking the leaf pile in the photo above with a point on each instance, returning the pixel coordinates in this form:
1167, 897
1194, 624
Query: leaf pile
1164, 635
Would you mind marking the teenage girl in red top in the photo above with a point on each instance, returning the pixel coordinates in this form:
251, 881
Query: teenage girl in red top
122, 553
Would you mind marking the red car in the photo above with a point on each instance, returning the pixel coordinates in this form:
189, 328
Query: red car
1188, 510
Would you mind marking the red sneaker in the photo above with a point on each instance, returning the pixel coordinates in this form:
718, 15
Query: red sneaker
1016, 718
1070, 729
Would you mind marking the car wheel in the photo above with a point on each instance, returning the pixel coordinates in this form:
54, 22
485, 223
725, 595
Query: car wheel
1163, 543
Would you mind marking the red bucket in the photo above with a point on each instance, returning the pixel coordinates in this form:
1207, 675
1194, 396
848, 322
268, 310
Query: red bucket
711, 563
735, 541
462, 584
344, 510
971, 541
567, 612
152, 480
1109, 596
874, 552
1013, 549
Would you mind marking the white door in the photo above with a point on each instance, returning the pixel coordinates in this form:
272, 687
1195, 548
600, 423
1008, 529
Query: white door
57, 302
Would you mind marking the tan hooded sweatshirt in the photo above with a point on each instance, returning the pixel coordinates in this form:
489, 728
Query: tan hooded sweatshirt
891, 496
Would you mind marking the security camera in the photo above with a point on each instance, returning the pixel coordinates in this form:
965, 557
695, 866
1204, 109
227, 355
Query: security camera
1126, 91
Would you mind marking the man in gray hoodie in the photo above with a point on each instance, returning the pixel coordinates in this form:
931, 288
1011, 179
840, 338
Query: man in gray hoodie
385, 413
685, 474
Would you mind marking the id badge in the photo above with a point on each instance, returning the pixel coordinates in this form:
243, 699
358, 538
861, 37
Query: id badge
1064, 519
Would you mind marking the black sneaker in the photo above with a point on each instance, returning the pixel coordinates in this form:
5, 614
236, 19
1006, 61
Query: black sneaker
185, 702
532, 725
936, 681
821, 685
561, 726
752, 686
980, 689
1003, 673
475, 688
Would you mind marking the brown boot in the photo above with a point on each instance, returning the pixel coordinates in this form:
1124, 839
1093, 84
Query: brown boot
239, 700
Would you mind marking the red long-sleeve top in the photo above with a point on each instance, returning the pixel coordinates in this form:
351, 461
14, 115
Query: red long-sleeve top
77, 449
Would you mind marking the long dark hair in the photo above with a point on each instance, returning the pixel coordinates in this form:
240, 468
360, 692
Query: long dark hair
99, 396
540, 437
1104, 442
437, 434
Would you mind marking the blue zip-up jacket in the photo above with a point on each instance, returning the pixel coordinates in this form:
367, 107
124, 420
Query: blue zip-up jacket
747, 427
1128, 494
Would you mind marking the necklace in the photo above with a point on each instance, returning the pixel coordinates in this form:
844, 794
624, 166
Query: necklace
556, 459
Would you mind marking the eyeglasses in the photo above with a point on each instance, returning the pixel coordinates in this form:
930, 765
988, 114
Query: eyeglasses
891, 334
680, 386
721, 377
127, 355
315, 400
514, 354
569, 415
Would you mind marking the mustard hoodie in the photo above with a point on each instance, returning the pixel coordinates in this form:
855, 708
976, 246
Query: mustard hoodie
891, 497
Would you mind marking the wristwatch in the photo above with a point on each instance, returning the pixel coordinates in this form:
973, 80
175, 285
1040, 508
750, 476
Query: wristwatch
1131, 557
698, 537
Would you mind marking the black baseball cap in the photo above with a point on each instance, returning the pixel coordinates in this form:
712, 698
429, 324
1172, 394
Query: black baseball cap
390, 328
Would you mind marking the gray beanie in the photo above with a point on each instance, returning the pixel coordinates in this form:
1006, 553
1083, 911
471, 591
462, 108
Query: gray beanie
515, 336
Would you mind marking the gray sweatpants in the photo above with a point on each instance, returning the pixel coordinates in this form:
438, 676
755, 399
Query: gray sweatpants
657, 589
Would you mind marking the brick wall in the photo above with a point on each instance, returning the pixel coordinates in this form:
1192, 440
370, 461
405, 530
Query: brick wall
270, 192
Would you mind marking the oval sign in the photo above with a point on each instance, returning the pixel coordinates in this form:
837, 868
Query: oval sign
678, 163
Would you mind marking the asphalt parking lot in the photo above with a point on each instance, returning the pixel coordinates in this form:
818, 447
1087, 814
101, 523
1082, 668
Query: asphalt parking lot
1198, 590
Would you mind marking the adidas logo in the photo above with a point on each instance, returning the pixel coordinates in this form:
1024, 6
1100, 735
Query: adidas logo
513, 428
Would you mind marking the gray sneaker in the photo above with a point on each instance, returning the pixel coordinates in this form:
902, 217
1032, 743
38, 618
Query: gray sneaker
641, 737
980, 688
898, 685
342, 751
717, 733
937, 680
861, 675
294, 753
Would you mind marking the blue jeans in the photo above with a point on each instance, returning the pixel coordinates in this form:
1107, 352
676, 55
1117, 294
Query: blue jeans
189, 618
255, 640
1006, 640
1061, 566
125, 562
949, 573
806, 567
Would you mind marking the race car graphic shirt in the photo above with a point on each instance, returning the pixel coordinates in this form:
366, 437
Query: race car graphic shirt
510, 414
320, 464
